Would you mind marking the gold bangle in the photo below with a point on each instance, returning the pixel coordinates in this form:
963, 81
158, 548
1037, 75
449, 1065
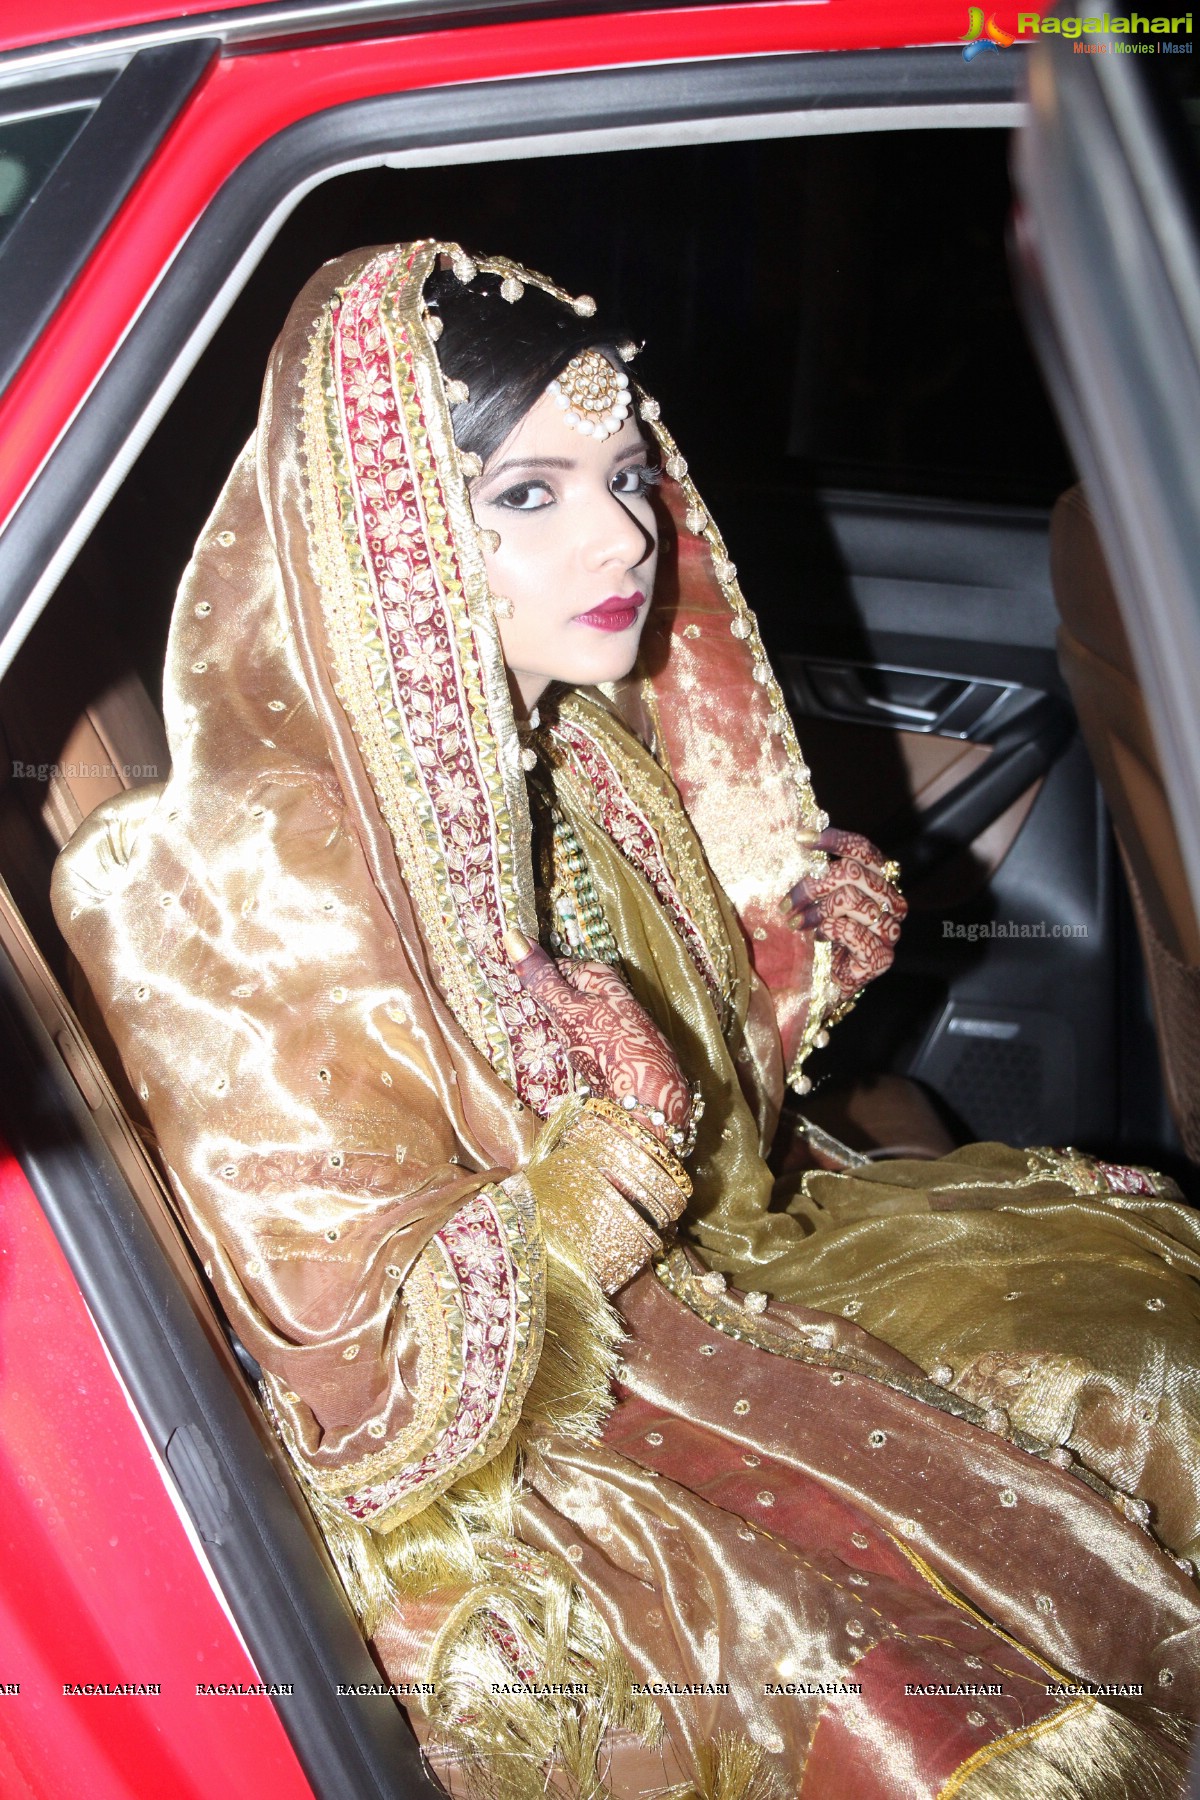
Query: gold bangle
646, 1141
681, 1139
577, 1199
619, 1252
634, 1176
638, 1164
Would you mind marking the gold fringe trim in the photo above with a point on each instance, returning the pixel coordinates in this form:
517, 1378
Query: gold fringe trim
571, 1391
1138, 1753
503, 1744
497, 1739
732, 1768
434, 1549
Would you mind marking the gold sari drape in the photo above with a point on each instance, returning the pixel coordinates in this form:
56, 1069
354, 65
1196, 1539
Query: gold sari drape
767, 1553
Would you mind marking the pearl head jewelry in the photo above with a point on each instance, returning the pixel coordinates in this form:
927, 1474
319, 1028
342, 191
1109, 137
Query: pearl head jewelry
594, 396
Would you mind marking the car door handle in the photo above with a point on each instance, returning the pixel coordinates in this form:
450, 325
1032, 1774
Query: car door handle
899, 710
876, 695
1024, 749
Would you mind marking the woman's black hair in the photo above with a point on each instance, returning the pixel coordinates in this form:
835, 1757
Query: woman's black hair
507, 352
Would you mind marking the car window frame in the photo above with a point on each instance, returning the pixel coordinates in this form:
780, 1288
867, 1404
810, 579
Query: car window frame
59, 229
1107, 252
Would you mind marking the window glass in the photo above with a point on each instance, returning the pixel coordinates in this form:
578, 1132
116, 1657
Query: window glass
29, 150
842, 303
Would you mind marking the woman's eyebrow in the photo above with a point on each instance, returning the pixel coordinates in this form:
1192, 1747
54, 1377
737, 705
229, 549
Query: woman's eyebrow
531, 462
552, 462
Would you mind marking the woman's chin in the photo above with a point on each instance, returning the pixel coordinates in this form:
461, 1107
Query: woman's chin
604, 662
583, 666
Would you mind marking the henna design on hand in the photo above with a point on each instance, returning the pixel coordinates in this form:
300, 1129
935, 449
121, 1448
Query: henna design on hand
613, 1042
852, 905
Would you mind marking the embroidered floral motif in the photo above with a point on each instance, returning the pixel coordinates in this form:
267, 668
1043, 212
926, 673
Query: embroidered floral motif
642, 844
409, 661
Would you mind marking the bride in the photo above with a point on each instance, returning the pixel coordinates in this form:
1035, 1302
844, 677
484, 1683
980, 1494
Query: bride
459, 968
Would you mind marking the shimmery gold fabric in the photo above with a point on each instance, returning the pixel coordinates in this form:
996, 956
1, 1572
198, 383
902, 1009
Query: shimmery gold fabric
775, 1558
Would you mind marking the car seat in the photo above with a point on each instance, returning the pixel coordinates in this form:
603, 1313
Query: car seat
1097, 665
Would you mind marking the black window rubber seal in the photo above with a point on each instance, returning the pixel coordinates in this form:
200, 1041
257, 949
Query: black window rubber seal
297, 1626
550, 105
56, 234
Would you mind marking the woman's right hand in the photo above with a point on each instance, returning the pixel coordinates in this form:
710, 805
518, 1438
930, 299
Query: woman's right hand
613, 1043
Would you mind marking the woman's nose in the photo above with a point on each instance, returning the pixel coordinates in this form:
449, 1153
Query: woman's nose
615, 537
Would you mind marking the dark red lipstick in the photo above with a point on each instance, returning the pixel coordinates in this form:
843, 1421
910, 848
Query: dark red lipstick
617, 613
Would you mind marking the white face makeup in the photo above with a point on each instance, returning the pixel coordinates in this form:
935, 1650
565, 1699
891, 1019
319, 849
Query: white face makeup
577, 553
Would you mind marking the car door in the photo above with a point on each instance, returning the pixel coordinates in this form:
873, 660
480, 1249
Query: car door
1109, 258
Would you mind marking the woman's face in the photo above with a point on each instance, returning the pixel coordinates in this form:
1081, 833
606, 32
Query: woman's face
578, 548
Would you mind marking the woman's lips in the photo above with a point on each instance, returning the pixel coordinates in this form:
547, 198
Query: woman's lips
617, 613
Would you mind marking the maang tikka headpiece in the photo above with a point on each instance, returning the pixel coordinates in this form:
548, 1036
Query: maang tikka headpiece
593, 395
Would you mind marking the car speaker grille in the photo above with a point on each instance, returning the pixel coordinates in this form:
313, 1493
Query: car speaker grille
1007, 1074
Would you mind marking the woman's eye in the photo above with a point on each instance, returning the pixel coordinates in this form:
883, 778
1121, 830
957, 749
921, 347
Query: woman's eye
635, 481
526, 496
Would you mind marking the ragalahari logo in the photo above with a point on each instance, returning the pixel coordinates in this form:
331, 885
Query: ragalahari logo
978, 36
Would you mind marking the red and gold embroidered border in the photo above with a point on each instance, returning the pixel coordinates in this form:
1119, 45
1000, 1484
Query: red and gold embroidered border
481, 1283
477, 1298
642, 845
417, 659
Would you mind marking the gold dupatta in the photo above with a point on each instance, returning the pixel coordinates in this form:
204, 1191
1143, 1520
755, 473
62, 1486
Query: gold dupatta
417, 667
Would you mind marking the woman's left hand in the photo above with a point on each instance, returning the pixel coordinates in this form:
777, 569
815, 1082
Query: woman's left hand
853, 905
612, 1041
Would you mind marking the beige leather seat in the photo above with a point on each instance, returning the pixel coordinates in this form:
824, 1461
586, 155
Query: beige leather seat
79, 727
116, 742
1098, 668
78, 724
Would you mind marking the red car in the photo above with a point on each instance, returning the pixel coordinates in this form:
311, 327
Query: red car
834, 174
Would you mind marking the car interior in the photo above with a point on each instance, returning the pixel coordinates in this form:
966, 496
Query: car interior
830, 324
